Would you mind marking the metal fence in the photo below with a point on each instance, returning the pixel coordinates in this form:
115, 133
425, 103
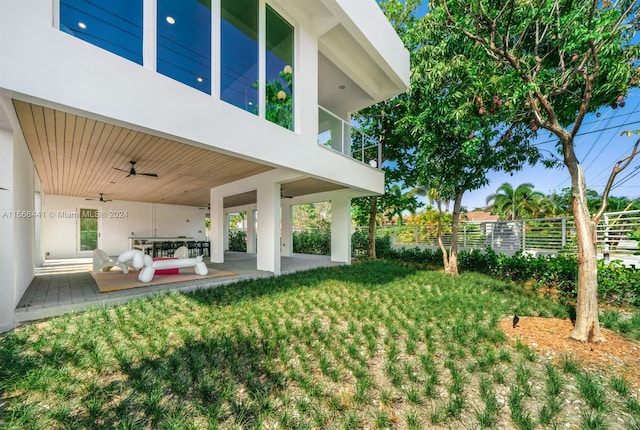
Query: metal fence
615, 234
618, 233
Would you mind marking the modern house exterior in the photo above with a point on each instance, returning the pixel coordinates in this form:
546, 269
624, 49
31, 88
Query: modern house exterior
222, 105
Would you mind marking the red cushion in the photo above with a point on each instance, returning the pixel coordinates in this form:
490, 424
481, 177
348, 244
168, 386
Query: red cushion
175, 271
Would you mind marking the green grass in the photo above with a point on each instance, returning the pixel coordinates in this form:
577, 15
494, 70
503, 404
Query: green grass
376, 345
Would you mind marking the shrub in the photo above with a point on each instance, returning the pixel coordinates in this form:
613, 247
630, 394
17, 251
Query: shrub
360, 245
237, 241
618, 283
317, 242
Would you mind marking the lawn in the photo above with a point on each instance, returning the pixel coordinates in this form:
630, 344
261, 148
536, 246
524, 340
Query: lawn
372, 345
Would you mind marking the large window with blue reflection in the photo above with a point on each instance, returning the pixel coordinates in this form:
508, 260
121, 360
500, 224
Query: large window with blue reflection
279, 62
115, 25
239, 53
184, 42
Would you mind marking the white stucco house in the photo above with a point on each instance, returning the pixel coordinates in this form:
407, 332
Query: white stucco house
223, 105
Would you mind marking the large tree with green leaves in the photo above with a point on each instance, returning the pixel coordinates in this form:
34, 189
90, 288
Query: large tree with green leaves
380, 121
555, 61
459, 137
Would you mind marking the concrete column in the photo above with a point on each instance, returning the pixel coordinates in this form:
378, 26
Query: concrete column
225, 233
7, 224
287, 230
341, 229
251, 231
217, 228
269, 227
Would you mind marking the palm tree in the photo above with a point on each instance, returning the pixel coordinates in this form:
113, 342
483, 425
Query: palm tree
432, 195
512, 203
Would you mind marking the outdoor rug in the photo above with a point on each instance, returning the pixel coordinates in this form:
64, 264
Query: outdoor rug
115, 280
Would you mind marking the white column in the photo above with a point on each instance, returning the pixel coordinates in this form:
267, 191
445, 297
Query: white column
225, 234
217, 228
269, 227
251, 231
341, 229
287, 230
7, 223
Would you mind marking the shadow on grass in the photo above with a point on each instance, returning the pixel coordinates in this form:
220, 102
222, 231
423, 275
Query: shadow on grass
227, 378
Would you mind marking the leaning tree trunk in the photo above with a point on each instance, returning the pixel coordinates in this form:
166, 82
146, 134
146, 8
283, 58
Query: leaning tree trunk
587, 327
452, 267
372, 226
445, 255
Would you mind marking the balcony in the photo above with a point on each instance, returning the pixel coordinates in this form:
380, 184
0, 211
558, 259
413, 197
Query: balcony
339, 136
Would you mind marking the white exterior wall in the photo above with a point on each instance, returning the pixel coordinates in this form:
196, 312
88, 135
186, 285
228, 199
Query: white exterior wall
43, 65
7, 252
139, 98
17, 232
60, 226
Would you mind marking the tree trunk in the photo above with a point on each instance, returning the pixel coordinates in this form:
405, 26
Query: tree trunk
452, 267
372, 226
445, 255
587, 327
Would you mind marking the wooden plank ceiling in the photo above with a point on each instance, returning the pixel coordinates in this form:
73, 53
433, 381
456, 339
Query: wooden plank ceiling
76, 156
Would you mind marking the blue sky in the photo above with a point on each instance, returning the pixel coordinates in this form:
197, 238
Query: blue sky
599, 146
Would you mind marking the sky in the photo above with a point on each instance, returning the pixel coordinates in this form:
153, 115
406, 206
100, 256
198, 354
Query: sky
599, 145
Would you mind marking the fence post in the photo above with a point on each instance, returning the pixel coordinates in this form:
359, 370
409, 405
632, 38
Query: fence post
493, 229
464, 236
416, 233
524, 235
564, 233
605, 251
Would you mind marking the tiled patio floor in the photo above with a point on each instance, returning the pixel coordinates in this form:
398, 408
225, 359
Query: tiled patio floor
66, 285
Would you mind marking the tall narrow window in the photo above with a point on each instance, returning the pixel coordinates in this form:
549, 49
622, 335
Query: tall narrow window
279, 85
184, 42
239, 54
115, 25
88, 229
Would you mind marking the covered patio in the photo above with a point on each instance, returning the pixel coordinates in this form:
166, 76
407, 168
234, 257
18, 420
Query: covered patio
66, 285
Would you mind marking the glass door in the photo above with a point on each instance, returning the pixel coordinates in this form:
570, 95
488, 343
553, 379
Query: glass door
88, 225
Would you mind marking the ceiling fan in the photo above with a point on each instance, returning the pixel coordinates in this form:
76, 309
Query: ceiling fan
132, 171
101, 199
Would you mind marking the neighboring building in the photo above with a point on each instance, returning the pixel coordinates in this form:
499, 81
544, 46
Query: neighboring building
236, 105
478, 216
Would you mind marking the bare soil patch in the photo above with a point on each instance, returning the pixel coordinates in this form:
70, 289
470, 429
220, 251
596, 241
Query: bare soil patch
550, 338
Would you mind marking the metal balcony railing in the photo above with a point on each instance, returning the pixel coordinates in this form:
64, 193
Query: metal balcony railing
336, 134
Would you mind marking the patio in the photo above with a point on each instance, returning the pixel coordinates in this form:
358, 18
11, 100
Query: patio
61, 286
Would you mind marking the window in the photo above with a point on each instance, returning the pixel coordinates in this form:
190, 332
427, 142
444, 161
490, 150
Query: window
239, 54
184, 42
279, 85
115, 25
88, 229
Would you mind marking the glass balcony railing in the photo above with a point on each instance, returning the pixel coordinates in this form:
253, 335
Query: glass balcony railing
342, 137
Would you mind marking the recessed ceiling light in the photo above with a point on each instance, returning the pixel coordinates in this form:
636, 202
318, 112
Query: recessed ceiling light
250, 103
82, 25
171, 20
199, 79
